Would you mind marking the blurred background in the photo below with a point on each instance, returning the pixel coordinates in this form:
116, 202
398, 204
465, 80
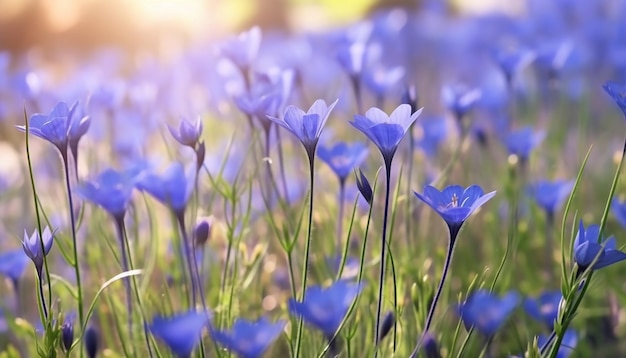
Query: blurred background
134, 24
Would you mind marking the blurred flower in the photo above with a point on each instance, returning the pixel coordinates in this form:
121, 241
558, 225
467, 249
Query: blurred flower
308, 126
181, 332
352, 57
325, 308
619, 211
587, 247
459, 99
111, 190
545, 307
386, 131
172, 188
249, 339
570, 339
617, 91
202, 232
455, 204
12, 264
431, 348
32, 247
487, 312
410, 97
429, 133
67, 332
511, 62
381, 80
385, 327
551, 194
92, 341
188, 133
522, 141
243, 49
364, 187
343, 157
258, 106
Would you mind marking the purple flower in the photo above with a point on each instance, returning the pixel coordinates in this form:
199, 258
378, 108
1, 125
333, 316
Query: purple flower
250, 339
243, 49
172, 188
364, 187
455, 204
619, 211
352, 57
459, 99
381, 80
13, 263
111, 190
545, 307
587, 247
188, 133
430, 133
258, 106
67, 332
522, 141
181, 332
617, 92
343, 157
325, 308
32, 246
487, 312
570, 339
386, 131
511, 62
306, 126
551, 194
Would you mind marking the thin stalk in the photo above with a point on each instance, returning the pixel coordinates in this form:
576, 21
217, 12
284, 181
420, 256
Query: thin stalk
119, 223
446, 267
76, 264
281, 159
383, 252
305, 269
342, 196
191, 261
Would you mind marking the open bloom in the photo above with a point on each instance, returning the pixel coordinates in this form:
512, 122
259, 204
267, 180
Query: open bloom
306, 126
460, 99
545, 307
111, 190
551, 194
32, 246
522, 141
325, 308
172, 188
487, 312
587, 247
455, 204
250, 339
343, 157
243, 49
386, 131
181, 332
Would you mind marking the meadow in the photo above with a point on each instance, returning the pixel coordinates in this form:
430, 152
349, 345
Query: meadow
415, 184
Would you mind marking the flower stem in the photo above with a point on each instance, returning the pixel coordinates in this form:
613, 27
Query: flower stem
446, 267
383, 254
119, 226
76, 264
305, 269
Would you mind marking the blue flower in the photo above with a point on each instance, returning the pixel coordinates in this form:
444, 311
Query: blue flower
487, 312
308, 126
617, 91
32, 246
92, 341
188, 133
587, 247
459, 99
181, 332
511, 62
364, 187
429, 134
455, 204
111, 190
381, 80
386, 131
545, 307
258, 106
522, 141
352, 57
619, 211
67, 332
172, 188
243, 49
551, 194
250, 339
13, 263
570, 339
343, 157
325, 308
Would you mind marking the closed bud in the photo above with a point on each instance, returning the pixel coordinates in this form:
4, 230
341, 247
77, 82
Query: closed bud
410, 97
364, 187
91, 342
202, 232
386, 325
67, 332
431, 348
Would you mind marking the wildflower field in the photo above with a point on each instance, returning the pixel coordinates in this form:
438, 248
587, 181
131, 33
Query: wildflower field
415, 184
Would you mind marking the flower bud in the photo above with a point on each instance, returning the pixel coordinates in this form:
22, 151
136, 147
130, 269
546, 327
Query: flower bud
202, 232
364, 187
67, 332
431, 348
385, 327
91, 342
